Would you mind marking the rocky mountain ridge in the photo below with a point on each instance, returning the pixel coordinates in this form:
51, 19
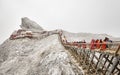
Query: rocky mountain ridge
37, 55
32, 50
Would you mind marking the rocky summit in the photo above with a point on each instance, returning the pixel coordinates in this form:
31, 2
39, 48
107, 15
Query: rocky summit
28, 24
33, 51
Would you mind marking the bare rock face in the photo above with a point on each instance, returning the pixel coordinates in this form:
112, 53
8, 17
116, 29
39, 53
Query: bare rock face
30, 25
23, 54
36, 57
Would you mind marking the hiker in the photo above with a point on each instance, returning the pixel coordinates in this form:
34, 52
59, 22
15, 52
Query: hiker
110, 44
60, 33
92, 44
64, 40
97, 44
14, 35
78, 44
84, 44
28, 34
100, 42
75, 43
106, 40
103, 45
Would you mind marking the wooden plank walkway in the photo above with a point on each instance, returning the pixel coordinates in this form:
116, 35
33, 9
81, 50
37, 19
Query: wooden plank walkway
96, 62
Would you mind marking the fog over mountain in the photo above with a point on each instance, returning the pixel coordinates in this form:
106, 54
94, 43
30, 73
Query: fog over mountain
89, 16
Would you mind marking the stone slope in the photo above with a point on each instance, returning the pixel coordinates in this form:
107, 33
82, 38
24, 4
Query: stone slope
30, 25
41, 54
36, 57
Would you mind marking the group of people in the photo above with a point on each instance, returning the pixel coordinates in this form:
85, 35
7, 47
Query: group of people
100, 44
94, 44
21, 34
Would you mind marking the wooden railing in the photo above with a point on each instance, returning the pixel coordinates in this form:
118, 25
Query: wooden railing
111, 48
96, 62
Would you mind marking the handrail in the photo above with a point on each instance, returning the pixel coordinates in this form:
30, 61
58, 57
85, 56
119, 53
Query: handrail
105, 64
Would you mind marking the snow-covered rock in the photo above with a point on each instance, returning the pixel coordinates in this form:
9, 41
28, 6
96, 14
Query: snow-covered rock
26, 56
43, 54
30, 25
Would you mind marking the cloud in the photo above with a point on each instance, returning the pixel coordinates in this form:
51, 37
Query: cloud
73, 15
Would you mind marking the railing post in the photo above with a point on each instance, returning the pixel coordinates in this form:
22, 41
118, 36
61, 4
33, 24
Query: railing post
117, 50
90, 62
98, 65
115, 63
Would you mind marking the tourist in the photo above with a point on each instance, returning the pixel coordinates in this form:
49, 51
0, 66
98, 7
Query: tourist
92, 44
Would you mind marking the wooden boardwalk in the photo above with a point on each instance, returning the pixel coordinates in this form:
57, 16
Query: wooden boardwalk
96, 62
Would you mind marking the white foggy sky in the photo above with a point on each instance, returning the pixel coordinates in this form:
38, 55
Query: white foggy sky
92, 16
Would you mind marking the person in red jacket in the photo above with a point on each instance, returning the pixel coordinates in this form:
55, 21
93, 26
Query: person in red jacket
97, 44
84, 44
104, 44
92, 44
